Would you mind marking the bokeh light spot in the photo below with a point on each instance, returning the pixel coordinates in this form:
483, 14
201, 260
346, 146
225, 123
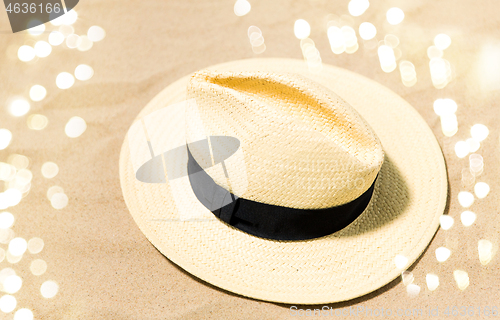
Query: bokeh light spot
6, 220
35, 245
12, 284
7, 303
466, 199
461, 278
83, 72
65, 80
37, 92
442, 254
49, 289
18, 246
446, 221
96, 33
479, 132
85, 43
50, 170
468, 218
37, 122
481, 189
42, 49
301, 29
432, 281
395, 16
367, 31
38, 267
5, 138
242, 7
413, 290
59, 201
26, 53
56, 38
36, 30
442, 41
75, 127
400, 261
23, 314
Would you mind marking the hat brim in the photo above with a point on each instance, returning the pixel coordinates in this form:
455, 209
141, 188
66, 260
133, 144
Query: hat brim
409, 197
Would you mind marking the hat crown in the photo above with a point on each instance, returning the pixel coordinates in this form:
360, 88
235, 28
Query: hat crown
302, 145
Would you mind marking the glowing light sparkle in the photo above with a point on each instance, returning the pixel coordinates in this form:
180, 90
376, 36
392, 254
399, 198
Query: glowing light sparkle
19, 107
434, 52
476, 164
468, 218
65, 80
387, 58
38, 267
36, 30
445, 106
408, 73
442, 41
85, 43
49, 289
432, 281
96, 33
441, 73
466, 199
462, 149
481, 189
18, 246
54, 190
66, 30
401, 261
6, 220
358, 7
446, 222
395, 16
50, 170
311, 55
256, 40
336, 38
75, 127
461, 278
242, 7
59, 201
37, 92
37, 122
301, 29
23, 314
484, 248
367, 31
69, 17
5, 138
42, 49
8, 303
467, 178
12, 284
442, 254
56, 38
479, 132
73, 41
413, 290
26, 53
35, 245
474, 145
449, 124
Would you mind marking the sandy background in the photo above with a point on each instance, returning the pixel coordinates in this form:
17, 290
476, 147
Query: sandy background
105, 267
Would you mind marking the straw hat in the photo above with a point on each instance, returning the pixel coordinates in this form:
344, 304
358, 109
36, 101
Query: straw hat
279, 184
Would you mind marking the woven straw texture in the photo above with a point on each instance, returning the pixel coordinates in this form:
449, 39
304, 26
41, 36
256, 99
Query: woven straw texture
410, 195
304, 147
